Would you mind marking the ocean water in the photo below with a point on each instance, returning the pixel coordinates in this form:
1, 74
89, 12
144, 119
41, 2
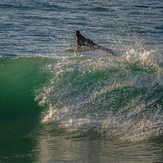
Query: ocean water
83, 107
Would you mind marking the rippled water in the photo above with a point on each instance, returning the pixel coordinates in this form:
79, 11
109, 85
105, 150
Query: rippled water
57, 106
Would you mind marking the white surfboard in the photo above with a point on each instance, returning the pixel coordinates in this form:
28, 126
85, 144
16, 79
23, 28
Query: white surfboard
82, 49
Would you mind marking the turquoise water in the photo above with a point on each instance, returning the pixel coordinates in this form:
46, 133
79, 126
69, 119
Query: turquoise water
57, 106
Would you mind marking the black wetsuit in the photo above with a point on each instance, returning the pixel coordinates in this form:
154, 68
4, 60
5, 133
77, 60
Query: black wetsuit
81, 40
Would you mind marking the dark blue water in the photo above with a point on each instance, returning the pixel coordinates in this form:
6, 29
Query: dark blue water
57, 106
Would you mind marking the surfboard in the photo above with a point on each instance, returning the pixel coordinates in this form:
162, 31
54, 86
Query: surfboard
82, 49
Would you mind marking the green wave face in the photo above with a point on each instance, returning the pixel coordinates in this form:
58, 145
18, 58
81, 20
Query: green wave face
19, 77
83, 93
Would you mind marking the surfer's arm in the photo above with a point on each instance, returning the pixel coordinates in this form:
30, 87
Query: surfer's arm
78, 45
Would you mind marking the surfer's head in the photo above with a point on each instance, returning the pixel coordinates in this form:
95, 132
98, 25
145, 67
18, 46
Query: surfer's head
77, 32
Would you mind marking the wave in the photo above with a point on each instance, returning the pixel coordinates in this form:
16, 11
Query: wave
114, 98
118, 98
19, 77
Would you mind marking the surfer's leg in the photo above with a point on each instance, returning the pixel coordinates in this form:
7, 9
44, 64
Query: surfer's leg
99, 47
89, 43
92, 45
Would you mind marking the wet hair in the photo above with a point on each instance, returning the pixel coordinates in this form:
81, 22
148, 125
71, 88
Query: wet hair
77, 32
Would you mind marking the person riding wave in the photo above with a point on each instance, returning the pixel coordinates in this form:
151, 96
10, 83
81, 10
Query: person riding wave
81, 40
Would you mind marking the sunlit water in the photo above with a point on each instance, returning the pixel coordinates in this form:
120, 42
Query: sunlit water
57, 106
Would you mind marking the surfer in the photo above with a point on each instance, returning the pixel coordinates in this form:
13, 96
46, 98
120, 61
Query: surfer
81, 40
